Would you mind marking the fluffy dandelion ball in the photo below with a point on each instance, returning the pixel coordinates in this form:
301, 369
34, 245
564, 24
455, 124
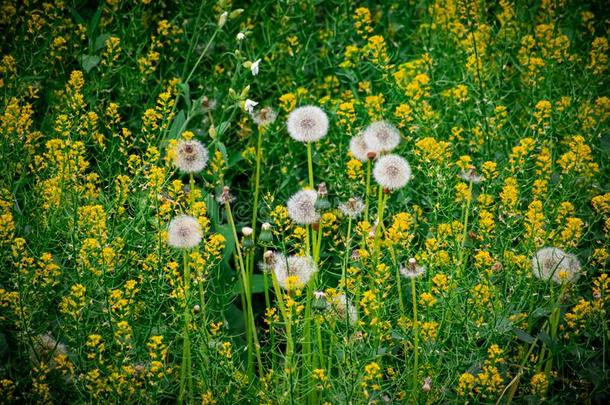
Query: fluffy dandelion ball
553, 263
353, 207
343, 308
307, 124
381, 136
265, 116
412, 269
392, 172
184, 232
190, 156
294, 271
302, 207
359, 149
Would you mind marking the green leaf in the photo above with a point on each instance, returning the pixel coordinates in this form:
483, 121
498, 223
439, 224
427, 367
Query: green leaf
177, 124
100, 41
88, 62
524, 336
257, 285
225, 230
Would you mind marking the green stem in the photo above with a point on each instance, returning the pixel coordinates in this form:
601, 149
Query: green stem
368, 189
380, 209
461, 261
185, 371
415, 340
247, 291
310, 165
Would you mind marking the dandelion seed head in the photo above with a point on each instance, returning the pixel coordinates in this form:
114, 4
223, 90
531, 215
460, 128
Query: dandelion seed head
307, 124
392, 172
184, 232
553, 263
264, 117
470, 175
341, 306
207, 104
412, 269
381, 136
225, 197
190, 156
353, 207
302, 207
359, 149
294, 271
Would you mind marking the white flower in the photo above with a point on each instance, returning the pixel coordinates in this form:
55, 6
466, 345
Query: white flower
190, 156
553, 263
352, 208
300, 267
249, 105
381, 136
360, 150
392, 172
254, 67
184, 232
302, 207
222, 20
241, 36
307, 124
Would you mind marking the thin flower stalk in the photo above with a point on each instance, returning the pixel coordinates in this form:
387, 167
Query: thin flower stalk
247, 292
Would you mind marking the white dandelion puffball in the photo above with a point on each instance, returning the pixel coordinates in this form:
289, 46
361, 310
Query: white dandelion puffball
353, 207
264, 116
307, 124
381, 136
343, 308
184, 232
302, 207
392, 172
360, 150
190, 156
412, 270
553, 263
300, 267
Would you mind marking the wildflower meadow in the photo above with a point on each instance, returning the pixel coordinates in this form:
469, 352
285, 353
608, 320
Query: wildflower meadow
304, 202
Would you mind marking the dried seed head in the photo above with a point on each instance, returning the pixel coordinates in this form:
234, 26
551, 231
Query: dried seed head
553, 263
392, 172
381, 136
353, 207
184, 232
264, 117
297, 268
225, 196
307, 124
302, 207
190, 156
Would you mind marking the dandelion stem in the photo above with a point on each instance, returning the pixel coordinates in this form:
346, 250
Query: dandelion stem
246, 287
380, 209
310, 165
415, 340
461, 259
186, 378
368, 189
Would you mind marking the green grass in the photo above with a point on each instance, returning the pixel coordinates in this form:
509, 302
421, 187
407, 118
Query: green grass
94, 98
